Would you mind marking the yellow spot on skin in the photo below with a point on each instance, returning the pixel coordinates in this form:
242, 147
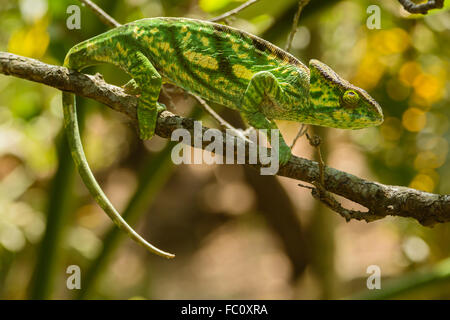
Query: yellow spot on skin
184, 29
151, 47
154, 30
203, 75
273, 60
183, 76
154, 50
341, 114
165, 46
148, 39
205, 41
235, 47
138, 32
187, 36
242, 55
203, 60
221, 83
242, 72
90, 47
121, 49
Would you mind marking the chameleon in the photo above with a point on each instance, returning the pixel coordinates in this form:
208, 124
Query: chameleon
221, 64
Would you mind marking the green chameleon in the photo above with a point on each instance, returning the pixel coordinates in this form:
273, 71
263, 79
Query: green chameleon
223, 65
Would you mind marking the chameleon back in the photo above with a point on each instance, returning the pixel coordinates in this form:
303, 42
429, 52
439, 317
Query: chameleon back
212, 60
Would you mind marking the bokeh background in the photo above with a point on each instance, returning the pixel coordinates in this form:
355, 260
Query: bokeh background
237, 235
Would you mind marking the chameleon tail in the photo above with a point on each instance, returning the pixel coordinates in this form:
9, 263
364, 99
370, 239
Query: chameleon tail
73, 134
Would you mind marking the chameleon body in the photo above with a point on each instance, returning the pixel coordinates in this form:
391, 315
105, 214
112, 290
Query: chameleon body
223, 65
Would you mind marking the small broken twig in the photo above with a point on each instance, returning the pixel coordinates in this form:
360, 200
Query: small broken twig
320, 193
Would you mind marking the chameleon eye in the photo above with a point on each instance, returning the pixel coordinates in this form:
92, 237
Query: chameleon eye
350, 99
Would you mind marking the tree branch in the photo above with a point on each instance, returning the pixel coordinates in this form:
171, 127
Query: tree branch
422, 8
380, 200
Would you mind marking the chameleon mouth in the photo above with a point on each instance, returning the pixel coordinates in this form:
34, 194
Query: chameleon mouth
369, 123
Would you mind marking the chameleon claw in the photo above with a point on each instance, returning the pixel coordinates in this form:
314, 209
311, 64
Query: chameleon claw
160, 107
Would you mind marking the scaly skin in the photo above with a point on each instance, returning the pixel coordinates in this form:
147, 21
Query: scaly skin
223, 65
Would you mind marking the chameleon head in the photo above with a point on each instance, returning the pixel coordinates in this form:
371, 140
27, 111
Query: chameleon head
334, 102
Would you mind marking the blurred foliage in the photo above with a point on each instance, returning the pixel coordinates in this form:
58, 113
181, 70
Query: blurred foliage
209, 215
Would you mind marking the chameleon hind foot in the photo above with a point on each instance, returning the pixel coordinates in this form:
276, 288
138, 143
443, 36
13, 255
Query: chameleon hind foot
284, 154
147, 120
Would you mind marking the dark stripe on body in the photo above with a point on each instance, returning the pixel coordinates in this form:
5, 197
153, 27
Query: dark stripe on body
224, 64
173, 30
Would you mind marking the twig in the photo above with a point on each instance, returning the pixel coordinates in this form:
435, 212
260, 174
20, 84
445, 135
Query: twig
315, 142
321, 194
422, 8
301, 5
102, 15
234, 11
303, 129
223, 123
381, 200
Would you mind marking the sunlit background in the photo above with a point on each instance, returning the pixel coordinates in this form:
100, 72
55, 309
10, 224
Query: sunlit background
237, 235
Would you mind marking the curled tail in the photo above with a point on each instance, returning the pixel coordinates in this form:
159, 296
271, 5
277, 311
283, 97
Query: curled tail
73, 135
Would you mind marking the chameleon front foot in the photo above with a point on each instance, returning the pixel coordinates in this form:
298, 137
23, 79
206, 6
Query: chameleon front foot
131, 87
